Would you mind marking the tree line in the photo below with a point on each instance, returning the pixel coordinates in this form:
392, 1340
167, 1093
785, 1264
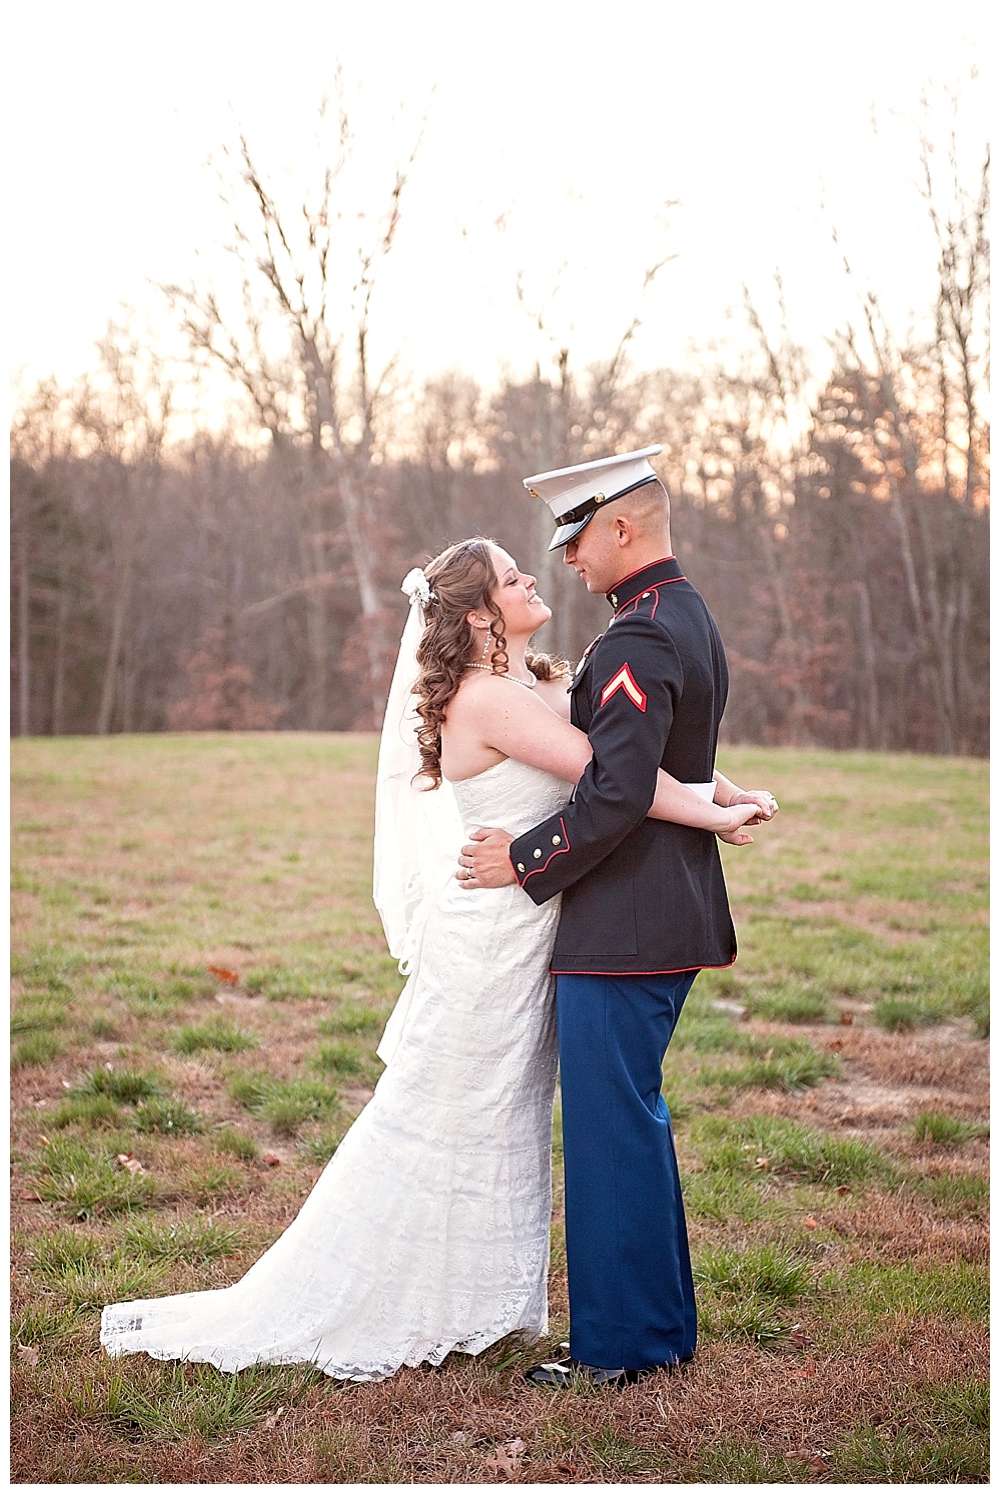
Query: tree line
247, 577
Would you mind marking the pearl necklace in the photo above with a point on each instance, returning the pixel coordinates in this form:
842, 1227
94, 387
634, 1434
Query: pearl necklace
528, 684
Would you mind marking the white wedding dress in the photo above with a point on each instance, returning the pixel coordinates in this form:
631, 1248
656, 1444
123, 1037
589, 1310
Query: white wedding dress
428, 1231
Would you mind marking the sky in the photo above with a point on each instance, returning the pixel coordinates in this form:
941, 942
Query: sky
565, 147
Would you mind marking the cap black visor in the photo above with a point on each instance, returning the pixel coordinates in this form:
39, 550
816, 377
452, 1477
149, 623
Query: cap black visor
566, 532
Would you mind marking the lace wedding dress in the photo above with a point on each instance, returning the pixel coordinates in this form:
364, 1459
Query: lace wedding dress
428, 1231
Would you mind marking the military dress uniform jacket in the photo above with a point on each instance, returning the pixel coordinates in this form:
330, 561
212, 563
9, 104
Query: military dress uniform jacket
640, 896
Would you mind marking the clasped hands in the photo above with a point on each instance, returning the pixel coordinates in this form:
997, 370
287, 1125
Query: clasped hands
485, 861
766, 805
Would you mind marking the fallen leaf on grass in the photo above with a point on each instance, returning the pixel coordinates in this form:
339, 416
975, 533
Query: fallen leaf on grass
818, 1465
844, 1188
270, 1160
835, 1044
27, 1353
231, 977
130, 1162
847, 1019
799, 1340
43, 1139
810, 1223
270, 1422
569, 1469
507, 1459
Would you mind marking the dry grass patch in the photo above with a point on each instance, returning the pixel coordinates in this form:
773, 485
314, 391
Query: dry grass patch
211, 892
940, 1059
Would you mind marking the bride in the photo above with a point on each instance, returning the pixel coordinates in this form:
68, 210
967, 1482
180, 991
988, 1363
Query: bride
428, 1231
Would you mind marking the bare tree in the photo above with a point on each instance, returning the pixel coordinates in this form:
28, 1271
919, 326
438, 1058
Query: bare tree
559, 420
46, 549
839, 534
22, 530
123, 417
307, 274
962, 357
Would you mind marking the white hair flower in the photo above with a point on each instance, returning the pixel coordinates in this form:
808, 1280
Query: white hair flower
417, 587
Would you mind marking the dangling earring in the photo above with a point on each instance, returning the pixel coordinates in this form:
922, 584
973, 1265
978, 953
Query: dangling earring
486, 645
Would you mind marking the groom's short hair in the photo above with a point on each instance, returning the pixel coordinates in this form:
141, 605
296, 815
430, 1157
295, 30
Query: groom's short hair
648, 507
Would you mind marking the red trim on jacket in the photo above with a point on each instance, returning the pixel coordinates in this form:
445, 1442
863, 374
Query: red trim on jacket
655, 586
559, 851
647, 567
681, 971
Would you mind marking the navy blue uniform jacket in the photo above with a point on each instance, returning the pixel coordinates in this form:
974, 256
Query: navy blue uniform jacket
640, 896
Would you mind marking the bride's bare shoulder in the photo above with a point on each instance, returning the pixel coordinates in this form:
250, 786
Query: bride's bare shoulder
483, 693
475, 690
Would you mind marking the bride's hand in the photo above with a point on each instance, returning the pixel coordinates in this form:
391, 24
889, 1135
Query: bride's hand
739, 816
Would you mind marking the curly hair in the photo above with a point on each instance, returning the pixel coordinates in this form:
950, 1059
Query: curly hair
463, 580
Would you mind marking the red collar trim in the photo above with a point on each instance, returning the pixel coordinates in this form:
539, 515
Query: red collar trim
657, 573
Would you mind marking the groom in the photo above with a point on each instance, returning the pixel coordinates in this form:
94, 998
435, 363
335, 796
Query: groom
644, 909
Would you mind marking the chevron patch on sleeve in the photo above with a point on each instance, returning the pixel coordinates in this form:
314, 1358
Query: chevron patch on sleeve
624, 680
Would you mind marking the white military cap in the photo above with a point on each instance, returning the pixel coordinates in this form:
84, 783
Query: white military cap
574, 494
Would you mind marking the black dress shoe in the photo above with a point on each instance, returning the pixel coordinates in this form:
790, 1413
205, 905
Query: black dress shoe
561, 1374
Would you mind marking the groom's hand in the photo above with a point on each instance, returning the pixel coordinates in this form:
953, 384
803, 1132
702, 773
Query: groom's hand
486, 862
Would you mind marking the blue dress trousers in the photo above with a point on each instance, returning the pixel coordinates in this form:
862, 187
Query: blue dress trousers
631, 1296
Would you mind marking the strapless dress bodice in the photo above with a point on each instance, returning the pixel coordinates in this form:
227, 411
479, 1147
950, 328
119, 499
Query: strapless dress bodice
510, 796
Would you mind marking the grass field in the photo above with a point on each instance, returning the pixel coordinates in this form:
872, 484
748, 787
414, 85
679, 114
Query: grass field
200, 981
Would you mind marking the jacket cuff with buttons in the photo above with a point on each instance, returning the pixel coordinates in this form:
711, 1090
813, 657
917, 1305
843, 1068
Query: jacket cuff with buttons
534, 853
